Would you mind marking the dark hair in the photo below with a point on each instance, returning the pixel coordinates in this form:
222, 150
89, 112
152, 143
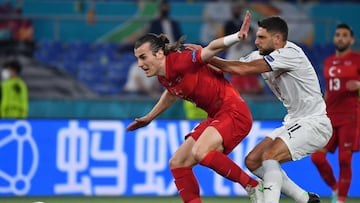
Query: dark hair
275, 24
345, 26
14, 65
159, 42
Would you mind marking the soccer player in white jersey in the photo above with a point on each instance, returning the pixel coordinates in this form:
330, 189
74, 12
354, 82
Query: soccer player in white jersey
306, 127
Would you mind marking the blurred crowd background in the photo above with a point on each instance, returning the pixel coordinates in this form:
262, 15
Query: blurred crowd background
77, 54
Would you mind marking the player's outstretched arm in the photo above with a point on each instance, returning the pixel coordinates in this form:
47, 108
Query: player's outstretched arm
221, 44
165, 101
240, 68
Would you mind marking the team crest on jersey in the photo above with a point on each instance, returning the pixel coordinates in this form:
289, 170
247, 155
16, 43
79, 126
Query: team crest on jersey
245, 58
333, 71
269, 58
193, 54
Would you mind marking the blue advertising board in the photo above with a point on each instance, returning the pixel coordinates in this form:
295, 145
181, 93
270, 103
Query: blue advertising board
98, 157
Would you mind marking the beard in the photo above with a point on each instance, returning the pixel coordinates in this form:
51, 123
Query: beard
266, 52
341, 48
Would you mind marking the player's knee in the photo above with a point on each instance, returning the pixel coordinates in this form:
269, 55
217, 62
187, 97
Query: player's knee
318, 157
200, 150
177, 161
252, 161
198, 153
174, 162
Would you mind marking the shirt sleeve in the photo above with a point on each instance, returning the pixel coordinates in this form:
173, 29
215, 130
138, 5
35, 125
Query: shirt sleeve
252, 56
287, 58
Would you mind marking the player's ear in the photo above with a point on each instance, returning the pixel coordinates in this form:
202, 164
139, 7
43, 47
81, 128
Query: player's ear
352, 41
160, 53
278, 37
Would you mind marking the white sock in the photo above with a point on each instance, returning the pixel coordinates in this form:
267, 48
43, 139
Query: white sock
272, 181
259, 172
288, 187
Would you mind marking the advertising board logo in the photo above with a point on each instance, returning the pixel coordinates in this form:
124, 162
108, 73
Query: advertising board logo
22, 161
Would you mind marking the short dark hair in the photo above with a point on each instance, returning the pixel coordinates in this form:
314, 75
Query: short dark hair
345, 26
275, 24
14, 65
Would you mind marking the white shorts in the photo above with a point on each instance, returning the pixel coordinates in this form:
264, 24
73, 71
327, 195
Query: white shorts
305, 136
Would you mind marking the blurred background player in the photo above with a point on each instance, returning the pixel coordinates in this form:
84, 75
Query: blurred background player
249, 84
342, 76
164, 24
214, 15
138, 84
14, 93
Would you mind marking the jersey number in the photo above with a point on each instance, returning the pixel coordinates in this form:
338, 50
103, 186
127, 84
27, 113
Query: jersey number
334, 84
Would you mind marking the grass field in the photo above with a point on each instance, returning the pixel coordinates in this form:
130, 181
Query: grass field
138, 200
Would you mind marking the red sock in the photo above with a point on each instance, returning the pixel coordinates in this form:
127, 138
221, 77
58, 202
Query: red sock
224, 166
345, 174
186, 184
324, 168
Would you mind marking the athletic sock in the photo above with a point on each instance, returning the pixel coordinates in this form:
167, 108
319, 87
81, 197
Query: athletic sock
341, 200
186, 184
272, 181
288, 187
259, 172
324, 168
227, 168
345, 175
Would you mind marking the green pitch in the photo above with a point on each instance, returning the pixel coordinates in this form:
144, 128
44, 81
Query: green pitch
138, 200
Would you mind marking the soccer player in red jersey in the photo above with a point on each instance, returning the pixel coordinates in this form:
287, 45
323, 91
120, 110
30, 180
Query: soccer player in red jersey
342, 76
185, 75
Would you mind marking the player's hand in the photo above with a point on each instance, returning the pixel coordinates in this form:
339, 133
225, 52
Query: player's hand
353, 85
243, 33
192, 47
138, 123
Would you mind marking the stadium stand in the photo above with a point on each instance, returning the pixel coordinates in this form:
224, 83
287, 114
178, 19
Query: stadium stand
51, 83
101, 66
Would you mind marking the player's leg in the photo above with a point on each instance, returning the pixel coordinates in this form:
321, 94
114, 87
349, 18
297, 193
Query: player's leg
276, 180
219, 139
296, 141
347, 138
345, 158
288, 188
268, 169
276, 153
181, 164
324, 168
323, 165
208, 150
253, 160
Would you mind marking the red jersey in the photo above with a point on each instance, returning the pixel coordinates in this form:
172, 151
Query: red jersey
188, 77
337, 72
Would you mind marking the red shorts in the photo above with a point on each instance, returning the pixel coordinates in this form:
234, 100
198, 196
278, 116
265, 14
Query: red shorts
346, 133
232, 122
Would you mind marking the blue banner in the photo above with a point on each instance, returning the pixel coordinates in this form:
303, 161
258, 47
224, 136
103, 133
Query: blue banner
98, 157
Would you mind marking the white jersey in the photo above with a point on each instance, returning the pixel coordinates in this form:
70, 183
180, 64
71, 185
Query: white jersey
294, 81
